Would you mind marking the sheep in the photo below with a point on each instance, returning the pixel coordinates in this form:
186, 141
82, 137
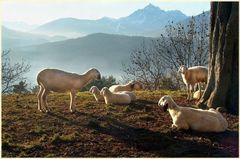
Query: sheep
195, 119
197, 94
96, 93
130, 86
193, 75
115, 97
59, 81
131, 94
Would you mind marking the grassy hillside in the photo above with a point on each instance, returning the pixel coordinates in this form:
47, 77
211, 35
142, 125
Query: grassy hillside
140, 129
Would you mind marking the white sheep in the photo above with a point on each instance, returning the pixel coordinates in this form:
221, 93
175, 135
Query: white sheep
193, 75
60, 81
115, 97
96, 93
197, 94
131, 94
130, 86
195, 119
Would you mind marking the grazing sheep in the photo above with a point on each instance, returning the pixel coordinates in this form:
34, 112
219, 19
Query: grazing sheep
130, 86
193, 75
60, 81
96, 93
195, 119
115, 98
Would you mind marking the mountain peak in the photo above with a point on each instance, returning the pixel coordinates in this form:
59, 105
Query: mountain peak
150, 6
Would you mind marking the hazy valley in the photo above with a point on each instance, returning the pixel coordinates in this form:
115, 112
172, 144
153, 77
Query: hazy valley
76, 45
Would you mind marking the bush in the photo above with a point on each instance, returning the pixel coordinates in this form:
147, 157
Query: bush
104, 82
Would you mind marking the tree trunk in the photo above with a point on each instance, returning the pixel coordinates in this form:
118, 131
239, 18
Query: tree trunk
222, 88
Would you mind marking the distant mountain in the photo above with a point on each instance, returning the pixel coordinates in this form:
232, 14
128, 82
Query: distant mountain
138, 23
19, 26
12, 38
198, 18
205, 16
103, 51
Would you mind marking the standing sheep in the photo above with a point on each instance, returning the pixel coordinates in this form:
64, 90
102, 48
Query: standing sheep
193, 75
60, 81
195, 119
130, 86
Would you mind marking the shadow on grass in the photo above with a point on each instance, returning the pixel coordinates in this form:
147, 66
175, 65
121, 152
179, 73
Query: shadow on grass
142, 105
227, 138
64, 118
161, 144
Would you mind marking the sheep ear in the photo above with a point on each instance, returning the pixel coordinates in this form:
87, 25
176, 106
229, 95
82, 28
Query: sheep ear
90, 90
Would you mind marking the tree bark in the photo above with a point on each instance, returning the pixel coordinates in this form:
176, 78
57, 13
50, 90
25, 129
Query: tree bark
222, 89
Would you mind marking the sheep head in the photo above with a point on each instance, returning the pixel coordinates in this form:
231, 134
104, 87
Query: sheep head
104, 91
182, 69
93, 89
135, 85
95, 74
166, 102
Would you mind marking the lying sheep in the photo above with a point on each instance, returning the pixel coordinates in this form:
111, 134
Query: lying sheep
130, 86
96, 93
115, 98
195, 119
131, 94
193, 75
197, 94
60, 81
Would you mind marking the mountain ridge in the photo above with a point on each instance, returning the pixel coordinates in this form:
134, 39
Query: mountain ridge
142, 20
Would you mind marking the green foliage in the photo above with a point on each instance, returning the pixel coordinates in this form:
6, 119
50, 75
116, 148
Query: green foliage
11, 72
35, 89
20, 88
104, 82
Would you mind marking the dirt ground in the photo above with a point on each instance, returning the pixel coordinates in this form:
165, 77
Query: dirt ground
140, 129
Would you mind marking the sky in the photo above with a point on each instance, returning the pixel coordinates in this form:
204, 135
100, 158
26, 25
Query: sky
43, 11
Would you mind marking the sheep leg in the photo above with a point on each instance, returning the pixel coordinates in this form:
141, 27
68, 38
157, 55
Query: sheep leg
200, 93
188, 97
72, 101
190, 91
39, 98
44, 99
174, 127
